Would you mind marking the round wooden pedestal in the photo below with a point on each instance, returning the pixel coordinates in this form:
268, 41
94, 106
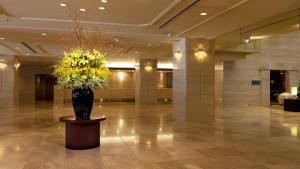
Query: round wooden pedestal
81, 134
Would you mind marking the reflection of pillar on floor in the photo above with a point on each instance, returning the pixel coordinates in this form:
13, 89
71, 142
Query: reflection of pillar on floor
146, 82
58, 96
193, 79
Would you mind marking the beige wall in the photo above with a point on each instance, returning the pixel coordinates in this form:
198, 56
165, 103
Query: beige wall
26, 77
277, 53
121, 80
121, 86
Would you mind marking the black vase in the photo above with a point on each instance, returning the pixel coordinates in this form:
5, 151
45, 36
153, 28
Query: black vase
82, 100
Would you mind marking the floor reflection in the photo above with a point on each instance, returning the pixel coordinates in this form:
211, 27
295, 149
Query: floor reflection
149, 137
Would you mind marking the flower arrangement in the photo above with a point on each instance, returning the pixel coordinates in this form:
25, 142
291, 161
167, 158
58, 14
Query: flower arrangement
82, 69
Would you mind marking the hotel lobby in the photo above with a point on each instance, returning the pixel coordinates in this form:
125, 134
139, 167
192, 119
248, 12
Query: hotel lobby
149, 84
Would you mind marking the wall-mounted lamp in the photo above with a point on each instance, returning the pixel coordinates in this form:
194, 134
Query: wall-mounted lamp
294, 91
137, 66
245, 38
3, 66
148, 67
17, 65
121, 76
178, 54
200, 53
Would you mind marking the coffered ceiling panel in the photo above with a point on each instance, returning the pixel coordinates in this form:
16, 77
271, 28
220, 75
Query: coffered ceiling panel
130, 28
245, 14
135, 12
199, 12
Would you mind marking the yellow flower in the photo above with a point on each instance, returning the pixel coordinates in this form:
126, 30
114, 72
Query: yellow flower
81, 68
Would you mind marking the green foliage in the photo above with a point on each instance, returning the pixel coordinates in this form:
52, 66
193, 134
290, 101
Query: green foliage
82, 69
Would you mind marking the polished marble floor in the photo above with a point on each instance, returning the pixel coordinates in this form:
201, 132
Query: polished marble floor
149, 138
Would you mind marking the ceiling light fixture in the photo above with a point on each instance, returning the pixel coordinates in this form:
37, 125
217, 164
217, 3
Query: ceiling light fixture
137, 52
63, 4
104, 1
2, 38
82, 9
102, 8
43, 34
203, 13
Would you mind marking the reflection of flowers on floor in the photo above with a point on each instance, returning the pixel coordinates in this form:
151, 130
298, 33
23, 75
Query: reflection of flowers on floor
82, 69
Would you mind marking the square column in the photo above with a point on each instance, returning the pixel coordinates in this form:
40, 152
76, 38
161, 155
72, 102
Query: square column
8, 82
193, 79
146, 82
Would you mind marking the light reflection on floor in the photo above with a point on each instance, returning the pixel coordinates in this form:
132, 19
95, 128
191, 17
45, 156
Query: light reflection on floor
149, 138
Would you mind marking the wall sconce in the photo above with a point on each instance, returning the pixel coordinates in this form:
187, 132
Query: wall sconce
200, 53
3, 66
121, 76
178, 54
148, 67
294, 91
137, 66
245, 38
17, 65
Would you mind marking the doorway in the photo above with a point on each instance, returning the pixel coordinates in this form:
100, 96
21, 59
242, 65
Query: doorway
277, 84
44, 87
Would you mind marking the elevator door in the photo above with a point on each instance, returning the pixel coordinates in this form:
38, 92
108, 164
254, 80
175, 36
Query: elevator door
44, 87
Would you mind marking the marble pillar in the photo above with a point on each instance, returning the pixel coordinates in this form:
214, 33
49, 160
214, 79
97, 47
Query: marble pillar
193, 79
146, 82
8, 88
292, 79
265, 87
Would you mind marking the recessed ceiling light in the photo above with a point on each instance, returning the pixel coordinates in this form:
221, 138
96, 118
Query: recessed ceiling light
104, 1
1, 38
137, 52
63, 4
203, 13
102, 8
44, 34
82, 9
